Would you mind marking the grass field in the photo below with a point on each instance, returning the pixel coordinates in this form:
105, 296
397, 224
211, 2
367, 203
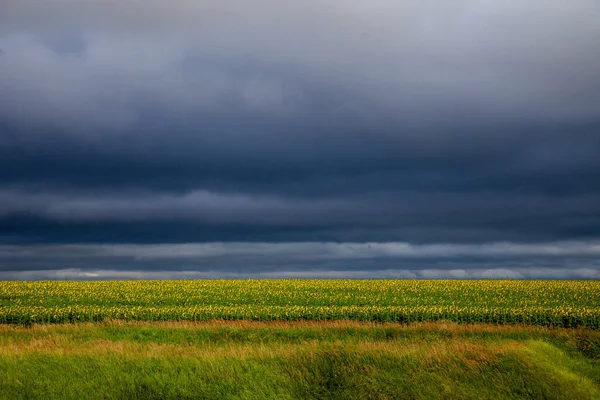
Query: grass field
300, 339
302, 360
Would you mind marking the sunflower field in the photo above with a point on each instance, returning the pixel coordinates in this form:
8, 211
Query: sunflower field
550, 303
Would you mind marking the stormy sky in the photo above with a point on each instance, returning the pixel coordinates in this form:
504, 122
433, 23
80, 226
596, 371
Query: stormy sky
316, 138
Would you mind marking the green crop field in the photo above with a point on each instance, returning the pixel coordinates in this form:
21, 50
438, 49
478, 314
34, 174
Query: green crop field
552, 303
300, 339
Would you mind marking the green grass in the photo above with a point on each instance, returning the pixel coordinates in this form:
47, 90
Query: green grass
300, 339
549, 303
297, 360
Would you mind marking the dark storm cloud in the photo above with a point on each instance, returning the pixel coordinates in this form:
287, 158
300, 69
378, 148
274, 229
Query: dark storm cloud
319, 121
329, 260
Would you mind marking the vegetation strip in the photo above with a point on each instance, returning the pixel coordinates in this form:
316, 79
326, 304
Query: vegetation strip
298, 360
549, 303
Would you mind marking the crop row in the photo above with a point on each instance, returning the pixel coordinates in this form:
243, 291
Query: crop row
556, 303
537, 316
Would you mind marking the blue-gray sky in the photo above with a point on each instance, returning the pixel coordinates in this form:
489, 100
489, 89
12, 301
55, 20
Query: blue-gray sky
155, 139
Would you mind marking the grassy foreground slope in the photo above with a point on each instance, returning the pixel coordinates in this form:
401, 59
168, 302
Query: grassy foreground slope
551, 303
300, 360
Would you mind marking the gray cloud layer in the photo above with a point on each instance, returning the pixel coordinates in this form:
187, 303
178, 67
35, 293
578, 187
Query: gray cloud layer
466, 122
328, 260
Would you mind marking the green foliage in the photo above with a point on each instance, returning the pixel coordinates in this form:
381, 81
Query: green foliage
326, 360
550, 303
